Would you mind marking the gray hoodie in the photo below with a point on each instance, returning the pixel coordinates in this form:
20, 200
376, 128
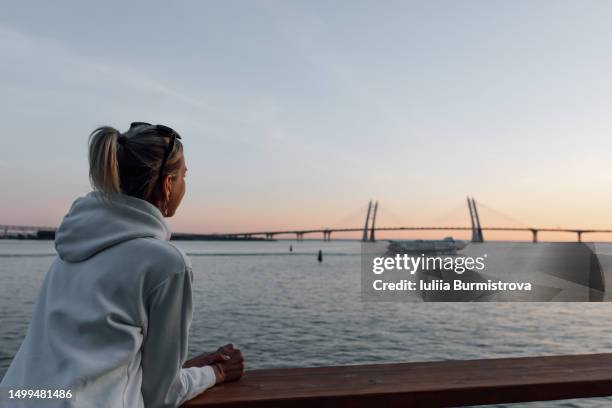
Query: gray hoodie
112, 318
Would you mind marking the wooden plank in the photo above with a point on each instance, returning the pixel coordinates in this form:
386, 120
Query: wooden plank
430, 384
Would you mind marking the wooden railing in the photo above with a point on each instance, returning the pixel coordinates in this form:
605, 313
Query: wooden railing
431, 384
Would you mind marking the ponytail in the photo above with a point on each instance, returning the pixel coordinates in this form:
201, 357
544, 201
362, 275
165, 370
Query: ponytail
130, 163
103, 163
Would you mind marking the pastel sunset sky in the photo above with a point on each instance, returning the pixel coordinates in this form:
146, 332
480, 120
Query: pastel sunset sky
297, 113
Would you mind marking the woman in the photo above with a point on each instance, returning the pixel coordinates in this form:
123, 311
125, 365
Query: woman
112, 319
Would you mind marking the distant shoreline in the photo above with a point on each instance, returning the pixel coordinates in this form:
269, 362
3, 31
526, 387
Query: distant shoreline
50, 236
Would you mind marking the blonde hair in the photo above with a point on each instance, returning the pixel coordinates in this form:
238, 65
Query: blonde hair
129, 163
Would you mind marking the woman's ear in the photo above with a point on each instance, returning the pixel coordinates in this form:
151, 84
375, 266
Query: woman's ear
167, 187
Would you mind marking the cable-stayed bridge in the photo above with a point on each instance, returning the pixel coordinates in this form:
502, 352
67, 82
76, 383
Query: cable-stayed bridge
368, 230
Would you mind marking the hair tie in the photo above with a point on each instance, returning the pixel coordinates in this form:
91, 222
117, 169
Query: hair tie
121, 140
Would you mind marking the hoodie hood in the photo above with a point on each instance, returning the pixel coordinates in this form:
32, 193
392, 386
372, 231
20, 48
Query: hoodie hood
97, 221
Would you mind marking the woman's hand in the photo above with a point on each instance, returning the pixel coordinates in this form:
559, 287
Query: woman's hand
227, 363
209, 358
231, 366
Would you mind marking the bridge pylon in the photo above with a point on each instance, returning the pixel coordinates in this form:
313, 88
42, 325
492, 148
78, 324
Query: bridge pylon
373, 229
367, 220
476, 227
371, 215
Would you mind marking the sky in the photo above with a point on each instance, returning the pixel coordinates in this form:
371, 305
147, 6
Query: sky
294, 114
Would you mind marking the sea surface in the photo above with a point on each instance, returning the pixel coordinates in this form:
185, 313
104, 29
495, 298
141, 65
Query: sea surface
286, 309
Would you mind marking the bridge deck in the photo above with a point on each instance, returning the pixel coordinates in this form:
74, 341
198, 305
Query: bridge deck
430, 384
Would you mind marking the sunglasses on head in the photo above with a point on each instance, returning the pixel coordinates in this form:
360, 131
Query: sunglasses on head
164, 131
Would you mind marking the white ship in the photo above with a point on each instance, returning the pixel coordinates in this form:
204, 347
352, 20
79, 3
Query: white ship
440, 246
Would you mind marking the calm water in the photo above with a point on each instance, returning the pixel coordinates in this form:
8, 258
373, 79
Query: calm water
288, 310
